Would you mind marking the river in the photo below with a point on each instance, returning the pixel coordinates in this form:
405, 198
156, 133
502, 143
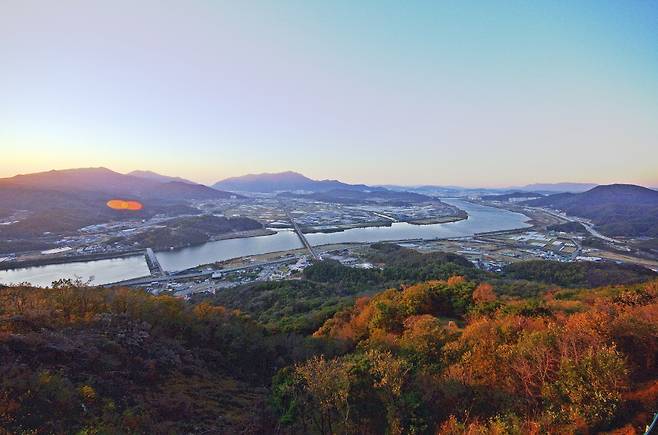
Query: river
480, 219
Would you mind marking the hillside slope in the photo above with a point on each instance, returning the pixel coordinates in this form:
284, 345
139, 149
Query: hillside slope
436, 353
439, 357
112, 184
452, 357
66, 200
150, 175
616, 209
120, 361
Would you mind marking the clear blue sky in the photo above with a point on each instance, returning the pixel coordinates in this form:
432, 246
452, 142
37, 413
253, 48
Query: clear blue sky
442, 92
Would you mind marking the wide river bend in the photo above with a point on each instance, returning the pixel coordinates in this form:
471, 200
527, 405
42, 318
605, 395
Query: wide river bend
480, 219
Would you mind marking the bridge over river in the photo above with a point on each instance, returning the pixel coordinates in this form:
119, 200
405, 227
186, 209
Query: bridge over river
153, 263
302, 237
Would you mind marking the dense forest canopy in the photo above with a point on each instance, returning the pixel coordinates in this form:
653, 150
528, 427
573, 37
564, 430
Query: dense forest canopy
426, 344
452, 357
578, 274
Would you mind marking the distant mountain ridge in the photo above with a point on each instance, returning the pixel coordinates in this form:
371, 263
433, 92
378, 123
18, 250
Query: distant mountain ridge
282, 182
106, 181
65, 200
514, 196
80, 179
352, 197
150, 175
557, 187
616, 209
621, 194
450, 190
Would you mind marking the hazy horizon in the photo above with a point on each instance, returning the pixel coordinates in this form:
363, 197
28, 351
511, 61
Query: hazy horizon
447, 185
479, 95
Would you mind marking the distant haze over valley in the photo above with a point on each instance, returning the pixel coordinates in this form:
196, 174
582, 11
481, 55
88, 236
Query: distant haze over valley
67, 200
329, 217
261, 182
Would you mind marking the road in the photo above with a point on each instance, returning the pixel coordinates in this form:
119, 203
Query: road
581, 221
145, 280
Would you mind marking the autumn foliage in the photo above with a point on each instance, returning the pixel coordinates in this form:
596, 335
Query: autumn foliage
84, 360
428, 358
453, 356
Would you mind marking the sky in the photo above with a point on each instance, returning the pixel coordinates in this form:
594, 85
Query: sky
446, 92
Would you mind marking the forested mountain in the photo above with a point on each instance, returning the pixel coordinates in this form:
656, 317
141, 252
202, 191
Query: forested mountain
282, 181
444, 356
60, 212
80, 180
616, 209
84, 360
578, 274
178, 190
60, 201
110, 183
453, 357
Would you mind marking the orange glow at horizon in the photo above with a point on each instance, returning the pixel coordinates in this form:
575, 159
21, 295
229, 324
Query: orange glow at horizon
120, 204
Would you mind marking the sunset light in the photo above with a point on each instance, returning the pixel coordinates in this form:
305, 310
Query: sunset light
329, 217
120, 204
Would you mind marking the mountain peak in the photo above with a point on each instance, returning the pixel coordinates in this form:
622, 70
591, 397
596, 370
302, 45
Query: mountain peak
621, 187
280, 182
77, 178
623, 193
616, 209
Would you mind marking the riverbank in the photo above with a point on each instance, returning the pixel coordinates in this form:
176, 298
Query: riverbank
481, 219
10, 265
537, 218
339, 228
52, 260
384, 223
239, 235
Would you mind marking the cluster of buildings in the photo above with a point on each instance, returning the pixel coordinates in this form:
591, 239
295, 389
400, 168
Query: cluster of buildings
285, 268
347, 258
549, 246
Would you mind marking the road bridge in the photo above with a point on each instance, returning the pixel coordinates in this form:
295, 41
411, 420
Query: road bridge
153, 263
302, 237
